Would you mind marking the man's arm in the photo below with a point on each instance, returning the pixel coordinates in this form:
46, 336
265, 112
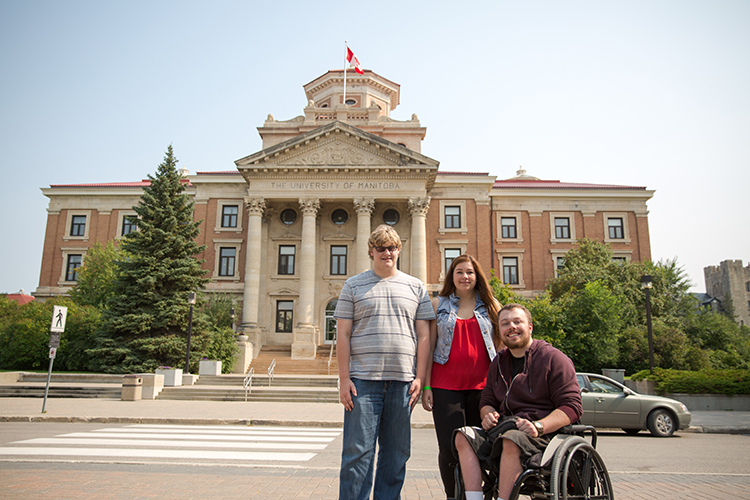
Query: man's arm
422, 327
343, 350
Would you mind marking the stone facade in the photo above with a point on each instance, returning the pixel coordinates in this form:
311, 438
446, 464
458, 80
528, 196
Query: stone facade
729, 281
289, 224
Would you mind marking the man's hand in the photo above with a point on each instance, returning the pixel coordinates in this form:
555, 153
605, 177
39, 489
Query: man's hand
414, 390
490, 420
346, 391
427, 399
527, 427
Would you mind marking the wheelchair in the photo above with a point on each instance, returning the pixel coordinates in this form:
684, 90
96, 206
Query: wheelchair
569, 469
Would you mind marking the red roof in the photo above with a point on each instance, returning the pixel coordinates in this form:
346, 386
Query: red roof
224, 172
540, 184
463, 173
143, 183
20, 298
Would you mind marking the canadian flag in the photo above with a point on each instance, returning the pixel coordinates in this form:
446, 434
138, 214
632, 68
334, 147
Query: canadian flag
352, 60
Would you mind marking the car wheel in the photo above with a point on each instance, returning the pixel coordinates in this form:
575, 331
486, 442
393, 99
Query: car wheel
631, 432
661, 423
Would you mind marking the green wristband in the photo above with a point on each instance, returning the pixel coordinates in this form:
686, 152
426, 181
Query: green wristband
427, 388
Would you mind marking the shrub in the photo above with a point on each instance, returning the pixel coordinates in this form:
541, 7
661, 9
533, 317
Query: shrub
698, 382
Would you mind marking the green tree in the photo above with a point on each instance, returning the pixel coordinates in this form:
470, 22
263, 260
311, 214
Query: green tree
24, 335
151, 290
97, 275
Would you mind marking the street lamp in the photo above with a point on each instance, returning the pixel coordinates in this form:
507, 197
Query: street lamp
231, 315
646, 284
191, 301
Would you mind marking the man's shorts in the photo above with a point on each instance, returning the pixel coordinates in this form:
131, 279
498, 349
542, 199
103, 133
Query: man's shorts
488, 445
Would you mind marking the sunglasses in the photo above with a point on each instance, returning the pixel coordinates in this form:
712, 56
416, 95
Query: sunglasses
391, 249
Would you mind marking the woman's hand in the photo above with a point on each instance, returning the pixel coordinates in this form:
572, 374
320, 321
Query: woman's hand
427, 399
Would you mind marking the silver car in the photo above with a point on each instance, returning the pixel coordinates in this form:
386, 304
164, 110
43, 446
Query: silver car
609, 404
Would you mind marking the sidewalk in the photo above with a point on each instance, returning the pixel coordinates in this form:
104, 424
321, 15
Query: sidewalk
255, 413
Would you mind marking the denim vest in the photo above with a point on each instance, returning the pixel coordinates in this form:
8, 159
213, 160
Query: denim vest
446, 320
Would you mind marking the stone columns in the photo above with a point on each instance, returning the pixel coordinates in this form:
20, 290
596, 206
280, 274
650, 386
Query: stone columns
418, 208
251, 295
364, 207
304, 342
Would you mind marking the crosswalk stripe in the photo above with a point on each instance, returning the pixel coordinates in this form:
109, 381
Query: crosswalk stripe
215, 437
143, 453
169, 444
154, 441
208, 430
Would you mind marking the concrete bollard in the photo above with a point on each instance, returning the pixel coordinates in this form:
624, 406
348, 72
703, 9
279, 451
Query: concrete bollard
132, 388
152, 385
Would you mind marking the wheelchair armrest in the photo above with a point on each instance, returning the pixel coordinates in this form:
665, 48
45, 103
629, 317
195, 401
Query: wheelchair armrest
581, 430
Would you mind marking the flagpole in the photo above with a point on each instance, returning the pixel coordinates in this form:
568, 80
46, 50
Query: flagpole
346, 63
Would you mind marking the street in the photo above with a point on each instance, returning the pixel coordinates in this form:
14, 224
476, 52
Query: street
119, 461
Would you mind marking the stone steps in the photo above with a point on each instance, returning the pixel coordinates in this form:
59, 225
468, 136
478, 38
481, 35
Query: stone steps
288, 366
59, 391
279, 380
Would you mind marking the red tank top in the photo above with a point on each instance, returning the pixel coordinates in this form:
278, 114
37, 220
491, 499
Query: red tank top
468, 363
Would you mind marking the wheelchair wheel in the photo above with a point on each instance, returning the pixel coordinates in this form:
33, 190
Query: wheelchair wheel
579, 472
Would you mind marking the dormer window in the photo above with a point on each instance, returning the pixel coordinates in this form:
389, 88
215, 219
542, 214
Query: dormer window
350, 102
324, 106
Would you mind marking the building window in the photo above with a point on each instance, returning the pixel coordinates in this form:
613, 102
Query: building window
620, 260
128, 224
339, 216
508, 225
616, 230
74, 262
562, 228
288, 217
450, 255
286, 259
452, 217
78, 226
229, 215
227, 259
330, 321
338, 260
510, 270
747, 286
560, 263
284, 315
390, 217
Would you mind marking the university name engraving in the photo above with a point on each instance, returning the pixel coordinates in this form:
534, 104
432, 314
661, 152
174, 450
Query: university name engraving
305, 186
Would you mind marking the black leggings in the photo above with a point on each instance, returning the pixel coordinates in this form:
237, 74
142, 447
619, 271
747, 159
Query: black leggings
451, 410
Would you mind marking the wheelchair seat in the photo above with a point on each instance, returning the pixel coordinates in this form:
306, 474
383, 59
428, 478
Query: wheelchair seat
570, 468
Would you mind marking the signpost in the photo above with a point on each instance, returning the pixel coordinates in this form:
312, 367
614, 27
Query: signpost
59, 315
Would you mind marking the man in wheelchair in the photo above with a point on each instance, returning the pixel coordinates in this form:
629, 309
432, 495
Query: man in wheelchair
531, 393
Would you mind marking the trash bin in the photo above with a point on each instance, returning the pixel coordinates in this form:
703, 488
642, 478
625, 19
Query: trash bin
132, 388
617, 374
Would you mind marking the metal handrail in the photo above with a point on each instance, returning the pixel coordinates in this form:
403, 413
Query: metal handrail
330, 354
248, 383
271, 367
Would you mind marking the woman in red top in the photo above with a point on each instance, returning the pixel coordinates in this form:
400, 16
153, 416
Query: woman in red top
463, 340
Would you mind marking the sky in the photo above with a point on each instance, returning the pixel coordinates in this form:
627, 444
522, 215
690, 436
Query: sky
637, 93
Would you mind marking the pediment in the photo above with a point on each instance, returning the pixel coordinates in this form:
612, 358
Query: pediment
336, 145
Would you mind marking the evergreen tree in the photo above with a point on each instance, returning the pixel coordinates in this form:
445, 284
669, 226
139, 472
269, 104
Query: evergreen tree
151, 289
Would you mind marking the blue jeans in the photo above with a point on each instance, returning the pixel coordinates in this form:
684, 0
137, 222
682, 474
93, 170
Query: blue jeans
381, 414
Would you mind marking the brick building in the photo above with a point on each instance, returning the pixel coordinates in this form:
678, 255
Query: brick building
289, 224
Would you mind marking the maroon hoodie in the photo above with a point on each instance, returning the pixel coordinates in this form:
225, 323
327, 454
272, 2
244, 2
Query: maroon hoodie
547, 382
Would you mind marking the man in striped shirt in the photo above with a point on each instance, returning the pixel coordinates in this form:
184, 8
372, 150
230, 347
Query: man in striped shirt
383, 318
